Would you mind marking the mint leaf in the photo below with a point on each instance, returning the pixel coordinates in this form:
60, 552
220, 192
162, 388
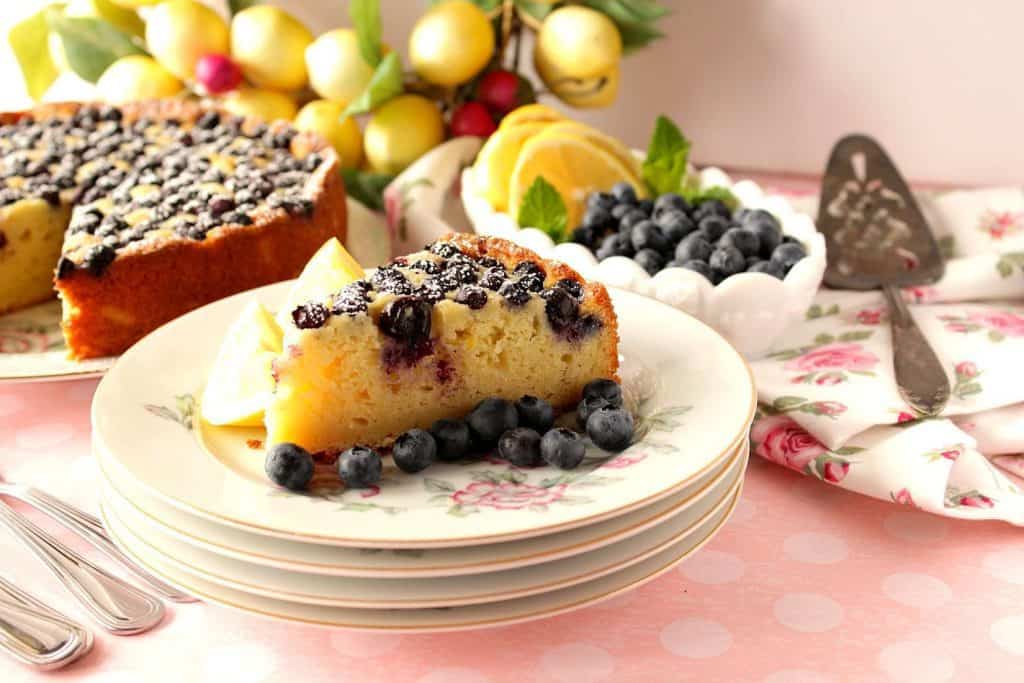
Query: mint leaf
695, 195
385, 83
365, 15
543, 208
365, 187
28, 41
665, 166
92, 44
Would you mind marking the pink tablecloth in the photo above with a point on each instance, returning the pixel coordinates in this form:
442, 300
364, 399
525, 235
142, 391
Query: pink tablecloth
806, 584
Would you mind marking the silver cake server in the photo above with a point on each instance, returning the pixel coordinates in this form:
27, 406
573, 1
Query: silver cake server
877, 238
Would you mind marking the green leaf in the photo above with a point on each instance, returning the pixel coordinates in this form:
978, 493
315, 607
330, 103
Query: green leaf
636, 36
665, 166
784, 403
824, 338
848, 450
695, 195
858, 335
969, 389
635, 20
366, 188
236, 6
437, 485
539, 9
28, 40
365, 15
543, 208
385, 83
1004, 267
92, 44
996, 336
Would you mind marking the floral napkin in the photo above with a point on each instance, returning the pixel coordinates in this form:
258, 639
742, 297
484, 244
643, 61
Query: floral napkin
830, 404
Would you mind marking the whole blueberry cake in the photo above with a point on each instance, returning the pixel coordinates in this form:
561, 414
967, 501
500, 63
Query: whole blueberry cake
430, 335
144, 212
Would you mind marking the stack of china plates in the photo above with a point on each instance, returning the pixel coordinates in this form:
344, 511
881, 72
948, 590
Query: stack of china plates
460, 545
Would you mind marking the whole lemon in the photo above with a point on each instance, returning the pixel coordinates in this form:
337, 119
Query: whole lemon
179, 32
337, 70
269, 44
578, 42
124, 19
451, 43
591, 93
400, 131
136, 77
324, 118
261, 104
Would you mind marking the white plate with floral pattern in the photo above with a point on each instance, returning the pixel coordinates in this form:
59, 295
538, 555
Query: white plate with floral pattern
32, 348
331, 560
437, 619
419, 593
694, 398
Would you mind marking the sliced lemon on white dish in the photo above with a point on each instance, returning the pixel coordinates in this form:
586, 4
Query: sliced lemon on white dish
241, 382
330, 269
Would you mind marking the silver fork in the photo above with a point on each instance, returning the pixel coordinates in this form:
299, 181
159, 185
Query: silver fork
91, 529
37, 635
116, 605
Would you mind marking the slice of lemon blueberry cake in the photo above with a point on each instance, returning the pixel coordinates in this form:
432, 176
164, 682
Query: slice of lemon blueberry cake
430, 335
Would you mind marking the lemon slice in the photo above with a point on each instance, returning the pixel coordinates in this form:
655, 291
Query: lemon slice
241, 384
330, 269
497, 160
609, 144
574, 165
531, 113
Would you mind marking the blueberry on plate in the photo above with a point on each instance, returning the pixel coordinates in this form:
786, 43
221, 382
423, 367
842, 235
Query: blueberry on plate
631, 218
585, 236
670, 201
713, 227
694, 247
624, 193
746, 241
562, 448
646, 205
647, 235
713, 207
589, 406
769, 268
414, 451
751, 217
701, 267
601, 199
787, 254
764, 225
620, 210
608, 389
752, 261
491, 418
674, 224
598, 218
728, 260
520, 446
289, 465
611, 429
650, 260
615, 245
452, 438
535, 413
359, 467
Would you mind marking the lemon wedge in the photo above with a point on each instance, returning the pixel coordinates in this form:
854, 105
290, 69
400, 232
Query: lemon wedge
573, 164
241, 383
531, 113
330, 269
497, 160
609, 144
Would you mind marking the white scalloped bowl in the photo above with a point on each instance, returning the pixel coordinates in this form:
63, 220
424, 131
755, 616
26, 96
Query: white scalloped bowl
751, 310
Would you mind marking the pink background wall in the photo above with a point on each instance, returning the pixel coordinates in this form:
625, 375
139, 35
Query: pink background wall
771, 84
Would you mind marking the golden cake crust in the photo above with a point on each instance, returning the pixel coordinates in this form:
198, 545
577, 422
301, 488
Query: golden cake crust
153, 281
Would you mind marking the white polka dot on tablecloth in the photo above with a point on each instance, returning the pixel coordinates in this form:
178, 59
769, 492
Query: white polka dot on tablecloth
713, 567
44, 435
808, 612
916, 527
1006, 564
916, 590
696, 638
577, 663
797, 676
454, 675
916, 662
745, 511
815, 547
1008, 634
249, 662
10, 404
364, 645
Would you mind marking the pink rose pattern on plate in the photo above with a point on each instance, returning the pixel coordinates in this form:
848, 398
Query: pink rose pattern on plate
902, 497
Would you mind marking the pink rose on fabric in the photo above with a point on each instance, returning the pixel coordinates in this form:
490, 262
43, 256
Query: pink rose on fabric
828, 379
828, 408
905, 417
902, 497
507, 495
966, 369
976, 500
834, 472
951, 453
370, 492
1010, 324
844, 356
870, 316
920, 295
624, 461
783, 441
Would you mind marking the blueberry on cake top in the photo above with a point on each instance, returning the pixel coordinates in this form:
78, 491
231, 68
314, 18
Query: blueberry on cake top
430, 335
140, 213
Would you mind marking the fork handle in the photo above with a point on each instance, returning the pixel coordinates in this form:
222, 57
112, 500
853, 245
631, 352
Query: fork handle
40, 638
92, 530
117, 606
921, 380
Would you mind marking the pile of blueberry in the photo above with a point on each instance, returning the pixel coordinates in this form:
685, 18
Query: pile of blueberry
523, 431
669, 232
